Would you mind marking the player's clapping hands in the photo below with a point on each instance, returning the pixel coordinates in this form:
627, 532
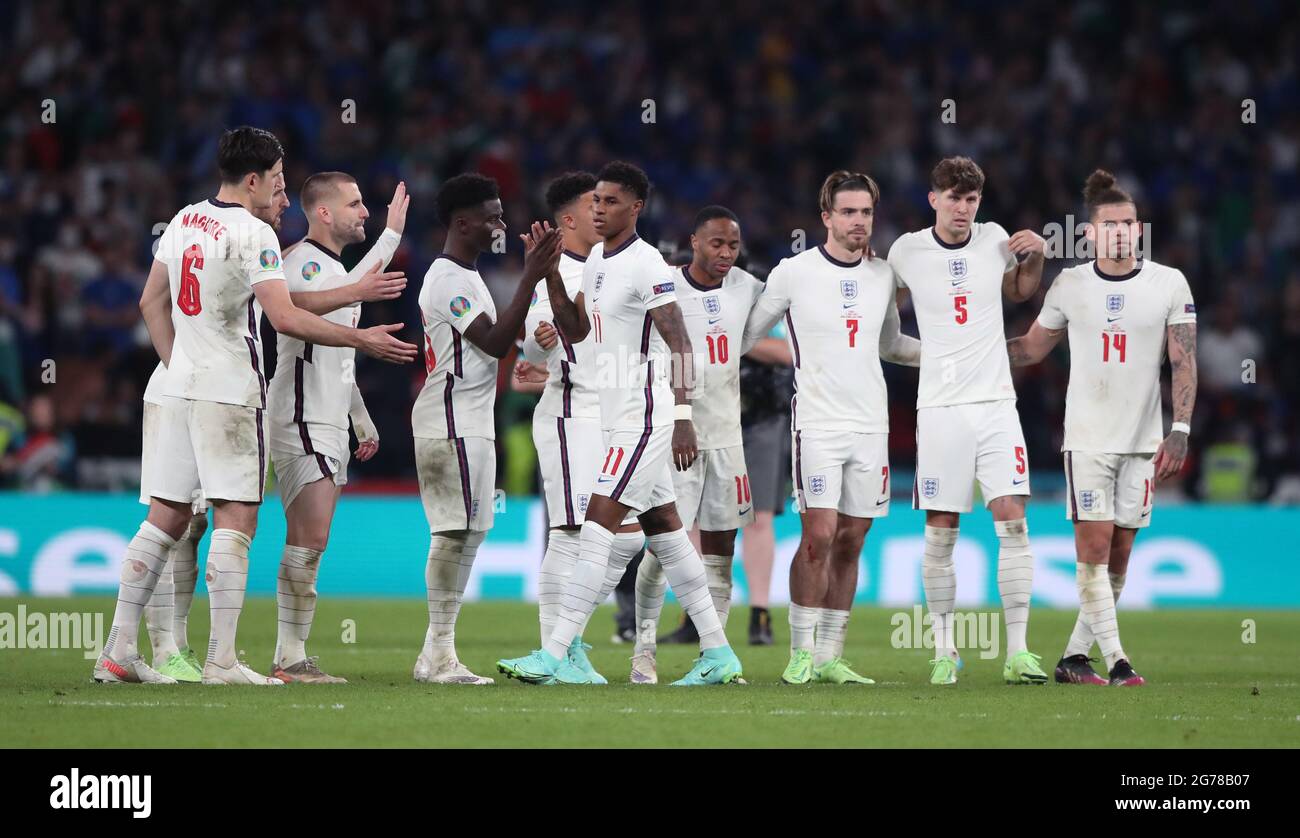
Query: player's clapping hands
542, 247
397, 209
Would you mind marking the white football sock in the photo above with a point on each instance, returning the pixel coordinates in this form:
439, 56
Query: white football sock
685, 571
1081, 638
557, 566
582, 589
159, 612
939, 579
144, 559
626, 547
717, 570
650, 587
184, 562
803, 626
1097, 602
227, 578
1015, 580
445, 577
295, 600
832, 625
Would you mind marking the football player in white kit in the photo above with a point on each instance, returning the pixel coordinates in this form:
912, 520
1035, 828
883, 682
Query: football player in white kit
314, 394
628, 309
838, 301
220, 265
1114, 455
453, 419
166, 616
566, 421
967, 428
716, 298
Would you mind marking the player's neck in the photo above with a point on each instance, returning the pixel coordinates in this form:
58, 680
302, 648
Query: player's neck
701, 277
618, 240
573, 243
461, 250
841, 253
1117, 267
231, 193
323, 238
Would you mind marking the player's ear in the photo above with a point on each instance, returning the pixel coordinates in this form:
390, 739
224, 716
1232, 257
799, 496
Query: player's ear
934, 200
1090, 231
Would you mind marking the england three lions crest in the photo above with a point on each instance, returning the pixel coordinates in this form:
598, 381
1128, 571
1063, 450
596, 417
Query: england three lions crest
1114, 303
957, 268
712, 305
849, 289
600, 281
929, 487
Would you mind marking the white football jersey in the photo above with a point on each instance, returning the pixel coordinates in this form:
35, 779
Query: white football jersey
715, 320
833, 312
1117, 329
569, 389
631, 361
460, 389
957, 295
311, 392
215, 252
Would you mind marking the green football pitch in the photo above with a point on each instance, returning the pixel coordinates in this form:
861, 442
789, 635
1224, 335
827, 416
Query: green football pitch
1208, 686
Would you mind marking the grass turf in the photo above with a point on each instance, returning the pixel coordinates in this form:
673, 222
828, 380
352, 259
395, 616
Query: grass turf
1206, 688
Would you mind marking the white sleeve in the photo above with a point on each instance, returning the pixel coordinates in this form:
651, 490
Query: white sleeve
456, 301
1053, 314
538, 312
657, 286
381, 251
262, 256
1182, 308
770, 307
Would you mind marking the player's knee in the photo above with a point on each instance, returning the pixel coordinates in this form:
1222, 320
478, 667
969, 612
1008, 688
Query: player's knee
848, 543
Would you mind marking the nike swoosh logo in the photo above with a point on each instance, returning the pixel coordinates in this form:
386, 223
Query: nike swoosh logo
1018, 482
958, 281
603, 479
882, 502
1111, 319
745, 511
1145, 514
850, 305
715, 320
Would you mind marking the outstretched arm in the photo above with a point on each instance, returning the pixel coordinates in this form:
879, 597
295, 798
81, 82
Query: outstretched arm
1033, 345
672, 328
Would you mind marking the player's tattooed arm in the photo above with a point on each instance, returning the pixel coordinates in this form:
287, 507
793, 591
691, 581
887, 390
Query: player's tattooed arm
896, 347
1182, 360
1020, 283
1033, 346
156, 308
672, 328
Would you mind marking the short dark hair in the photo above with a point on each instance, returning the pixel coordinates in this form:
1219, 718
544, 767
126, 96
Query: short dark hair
628, 176
246, 149
1101, 189
960, 174
711, 212
317, 186
567, 188
462, 192
845, 181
